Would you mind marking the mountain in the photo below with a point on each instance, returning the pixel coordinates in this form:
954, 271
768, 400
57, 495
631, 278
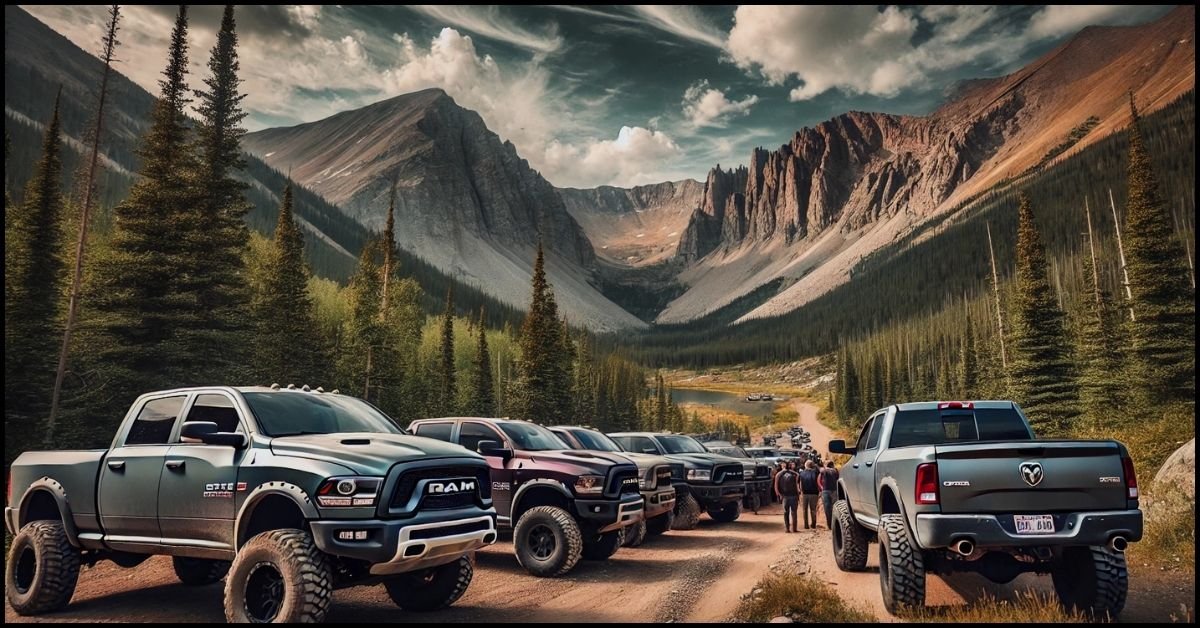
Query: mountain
804, 214
634, 226
465, 201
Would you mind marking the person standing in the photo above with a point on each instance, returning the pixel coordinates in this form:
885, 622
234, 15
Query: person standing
787, 488
809, 492
827, 481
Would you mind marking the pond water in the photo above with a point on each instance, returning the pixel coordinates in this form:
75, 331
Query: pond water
724, 400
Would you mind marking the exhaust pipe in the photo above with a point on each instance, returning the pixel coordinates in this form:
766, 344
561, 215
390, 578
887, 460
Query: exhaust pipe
964, 547
1118, 544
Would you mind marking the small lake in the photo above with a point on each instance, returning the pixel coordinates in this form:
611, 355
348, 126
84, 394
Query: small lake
724, 400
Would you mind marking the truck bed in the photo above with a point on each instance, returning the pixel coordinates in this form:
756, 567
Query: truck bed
77, 470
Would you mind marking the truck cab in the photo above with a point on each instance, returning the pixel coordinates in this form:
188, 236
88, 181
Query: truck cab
562, 504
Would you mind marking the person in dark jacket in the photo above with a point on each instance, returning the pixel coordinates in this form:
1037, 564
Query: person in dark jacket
809, 491
827, 480
787, 489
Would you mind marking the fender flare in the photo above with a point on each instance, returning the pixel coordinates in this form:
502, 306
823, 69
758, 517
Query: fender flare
548, 483
889, 483
59, 494
292, 492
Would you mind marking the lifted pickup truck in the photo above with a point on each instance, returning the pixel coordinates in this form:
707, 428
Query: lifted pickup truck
715, 483
563, 505
287, 494
964, 486
758, 485
658, 493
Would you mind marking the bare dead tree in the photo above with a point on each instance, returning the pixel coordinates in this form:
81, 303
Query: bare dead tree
1121, 251
999, 312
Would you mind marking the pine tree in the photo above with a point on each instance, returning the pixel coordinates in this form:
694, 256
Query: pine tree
968, 370
1164, 330
585, 410
483, 396
1042, 366
660, 402
853, 403
363, 332
284, 312
447, 386
544, 383
34, 273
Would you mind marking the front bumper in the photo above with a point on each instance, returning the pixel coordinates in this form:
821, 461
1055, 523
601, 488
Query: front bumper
658, 501
398, 546
708, 494
608, 515
1078, 528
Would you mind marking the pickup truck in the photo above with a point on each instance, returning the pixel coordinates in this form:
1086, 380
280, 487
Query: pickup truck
658, 492
758, 485
287, 494
715, 484
562, 504
955, 486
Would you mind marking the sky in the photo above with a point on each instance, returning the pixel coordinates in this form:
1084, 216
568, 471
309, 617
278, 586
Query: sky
606, 95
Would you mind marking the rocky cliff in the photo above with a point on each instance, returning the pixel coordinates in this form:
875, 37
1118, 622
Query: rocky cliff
638, 225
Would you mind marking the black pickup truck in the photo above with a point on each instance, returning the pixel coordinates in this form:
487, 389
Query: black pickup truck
562, 505
287, 494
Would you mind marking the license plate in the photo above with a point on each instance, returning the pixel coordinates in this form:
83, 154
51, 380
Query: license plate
1034, 524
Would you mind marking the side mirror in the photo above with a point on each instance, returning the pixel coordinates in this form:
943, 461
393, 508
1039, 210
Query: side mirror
206, 432
494, 449
839, 447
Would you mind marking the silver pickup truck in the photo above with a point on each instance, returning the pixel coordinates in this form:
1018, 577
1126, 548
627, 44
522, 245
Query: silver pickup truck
947, 487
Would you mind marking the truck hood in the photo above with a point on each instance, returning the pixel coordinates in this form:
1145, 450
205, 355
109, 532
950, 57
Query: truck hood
598, 462
645, 461
703, 461
366, 453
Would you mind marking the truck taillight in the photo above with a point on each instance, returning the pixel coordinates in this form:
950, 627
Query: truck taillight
1131, 486
956, 405
927, 483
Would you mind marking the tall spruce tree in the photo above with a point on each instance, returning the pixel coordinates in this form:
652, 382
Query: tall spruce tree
543, 378
284, 312
1164, 332
660, 403
483, 394
585, 410
447, 385
1043, 368
1098, 345
34, 276
968, 369
363, 335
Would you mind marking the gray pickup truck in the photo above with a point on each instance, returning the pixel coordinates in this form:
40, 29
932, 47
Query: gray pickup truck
288, 494
947, 487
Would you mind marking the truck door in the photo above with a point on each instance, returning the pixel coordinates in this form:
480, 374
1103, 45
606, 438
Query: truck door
470, 434
865, 475
198, 490
854, 468
128, 491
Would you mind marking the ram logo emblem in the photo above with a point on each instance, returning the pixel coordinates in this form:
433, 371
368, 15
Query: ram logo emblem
1032, 473
448, 487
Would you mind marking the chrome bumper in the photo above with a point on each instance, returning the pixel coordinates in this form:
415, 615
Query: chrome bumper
1077, 528
413, 554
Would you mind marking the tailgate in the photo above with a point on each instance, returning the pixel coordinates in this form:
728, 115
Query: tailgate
1031, 477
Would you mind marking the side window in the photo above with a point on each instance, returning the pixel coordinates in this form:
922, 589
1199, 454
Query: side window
873, 439
643, 445
565, 438
862, 438
217, 409
155, 421
440, 431
470, 434
624, 442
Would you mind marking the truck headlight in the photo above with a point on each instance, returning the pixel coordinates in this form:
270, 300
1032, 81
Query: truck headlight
349, 492
747, 474
703, 475
589, 484
648, 481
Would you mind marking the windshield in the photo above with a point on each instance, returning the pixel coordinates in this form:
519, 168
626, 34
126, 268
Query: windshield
938, 427
530, 437
681, 445
293, 414
595, 441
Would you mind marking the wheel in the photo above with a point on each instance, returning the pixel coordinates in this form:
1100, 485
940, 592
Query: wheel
849, 539
635, 534
727, 513
661, 523
547, 541
687, 512
433, 588
279, 576
602, 546
901, 566
753, 502
42, 569
199, 571
1091, 580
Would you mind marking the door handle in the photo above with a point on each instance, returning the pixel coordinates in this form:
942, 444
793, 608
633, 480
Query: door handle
870, 463
174, 465
855, 465
116, 465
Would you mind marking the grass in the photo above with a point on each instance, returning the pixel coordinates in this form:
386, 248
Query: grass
802, 598
1028, 607
1169, 535
711, 414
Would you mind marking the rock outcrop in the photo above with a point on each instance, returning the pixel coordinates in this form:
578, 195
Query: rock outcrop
638, 225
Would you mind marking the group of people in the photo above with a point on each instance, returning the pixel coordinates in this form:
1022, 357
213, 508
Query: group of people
807, 487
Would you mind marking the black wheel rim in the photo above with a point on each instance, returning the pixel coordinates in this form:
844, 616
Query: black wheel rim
264, 593
542, 542
26, 570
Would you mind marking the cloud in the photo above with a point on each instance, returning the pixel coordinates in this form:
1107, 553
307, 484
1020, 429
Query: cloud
489, 22
636, 157
1055, 20
705, 106
682, 21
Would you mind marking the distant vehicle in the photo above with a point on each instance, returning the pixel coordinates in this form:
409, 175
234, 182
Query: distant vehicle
285, 494
964, 486
770, 455
758, 485
760, 397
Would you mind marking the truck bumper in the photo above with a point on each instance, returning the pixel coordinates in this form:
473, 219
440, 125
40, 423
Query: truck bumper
608, 515
10, 520
1078, 528
658, 501
715, 494
398, 546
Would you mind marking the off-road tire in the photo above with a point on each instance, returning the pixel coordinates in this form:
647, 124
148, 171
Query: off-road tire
198, 572
602, 546
850, 540
687, 512
568, 541
661, 523
753, 502
727, 513
42, 569
1092, 580
635, 534
901, 566
431, 589
304, 572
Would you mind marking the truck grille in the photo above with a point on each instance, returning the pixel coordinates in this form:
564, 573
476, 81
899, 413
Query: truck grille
727, 473
762, 472
624, 481
662, 475
408, 483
